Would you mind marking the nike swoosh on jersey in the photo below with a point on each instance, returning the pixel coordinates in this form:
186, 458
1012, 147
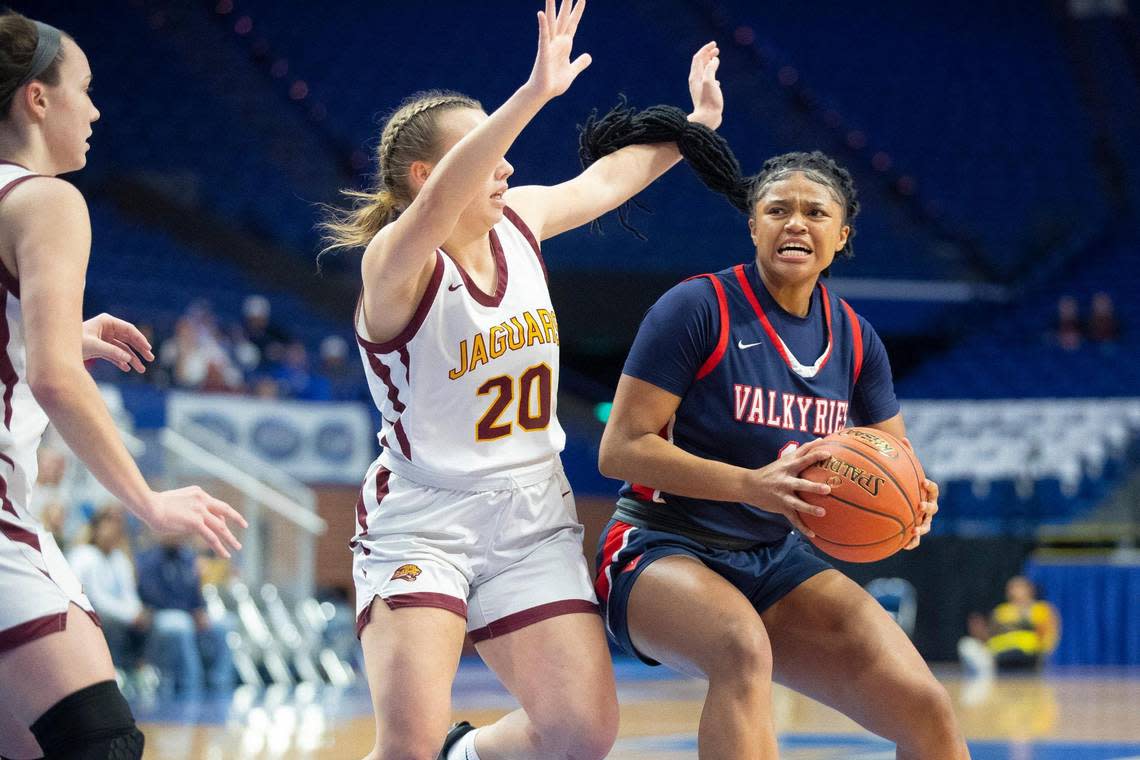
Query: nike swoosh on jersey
455, 287
742, 345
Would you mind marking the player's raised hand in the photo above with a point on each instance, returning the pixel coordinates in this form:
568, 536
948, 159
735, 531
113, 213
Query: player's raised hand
117, 341
708, 100
776, 487
192, 511
553, 71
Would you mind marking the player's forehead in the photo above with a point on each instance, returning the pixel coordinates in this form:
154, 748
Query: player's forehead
799, 187
75, 66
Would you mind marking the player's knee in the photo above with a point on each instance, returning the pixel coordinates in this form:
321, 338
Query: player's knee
742, 653
933, 713
407, 741
94, 723
583, 729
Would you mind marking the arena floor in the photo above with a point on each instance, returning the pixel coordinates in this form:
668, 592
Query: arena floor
1064, 715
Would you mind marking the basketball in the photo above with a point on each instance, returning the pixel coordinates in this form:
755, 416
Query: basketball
876, 488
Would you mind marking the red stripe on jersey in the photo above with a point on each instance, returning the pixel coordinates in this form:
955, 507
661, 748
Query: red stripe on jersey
380, 369
5, 502
722, 341
402, 439
385, 375
16, 533
856, 335
615, 541
8, 374
500, 259
414, 323
517, 221
773, 336
7, 279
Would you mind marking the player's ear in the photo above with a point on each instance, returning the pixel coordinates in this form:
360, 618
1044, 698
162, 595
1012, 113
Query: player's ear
752, 229
844, 233
418, 174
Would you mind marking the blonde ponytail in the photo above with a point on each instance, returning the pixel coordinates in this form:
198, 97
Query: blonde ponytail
411, 133
356, 226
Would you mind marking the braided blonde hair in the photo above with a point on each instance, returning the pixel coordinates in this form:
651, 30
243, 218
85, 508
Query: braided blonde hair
410, 134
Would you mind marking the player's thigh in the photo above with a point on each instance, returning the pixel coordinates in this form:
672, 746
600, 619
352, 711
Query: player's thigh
57, 665
560, 671
684, 615
410, 657
832, 641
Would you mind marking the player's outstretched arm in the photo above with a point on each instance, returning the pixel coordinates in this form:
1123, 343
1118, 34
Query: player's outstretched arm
51, 259
399, 257
614, 179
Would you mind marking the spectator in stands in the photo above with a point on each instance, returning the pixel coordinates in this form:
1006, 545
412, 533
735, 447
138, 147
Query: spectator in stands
1067, 330
196, 355
102, 565
269, 338
183, 634
293, 375
345, 381
1102, 326
1020, 634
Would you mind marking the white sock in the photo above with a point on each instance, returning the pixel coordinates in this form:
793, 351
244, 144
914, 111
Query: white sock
464, 749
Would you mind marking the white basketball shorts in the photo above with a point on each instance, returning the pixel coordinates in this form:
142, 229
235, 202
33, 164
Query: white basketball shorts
502, 558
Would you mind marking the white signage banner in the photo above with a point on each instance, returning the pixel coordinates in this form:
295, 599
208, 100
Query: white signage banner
315, 442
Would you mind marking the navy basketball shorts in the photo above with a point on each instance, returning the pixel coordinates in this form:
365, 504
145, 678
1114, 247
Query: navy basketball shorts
764, 573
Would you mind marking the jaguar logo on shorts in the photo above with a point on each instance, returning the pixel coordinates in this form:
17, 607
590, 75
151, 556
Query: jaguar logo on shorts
406, 573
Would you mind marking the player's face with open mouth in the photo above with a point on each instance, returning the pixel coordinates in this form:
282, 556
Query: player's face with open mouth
797, 228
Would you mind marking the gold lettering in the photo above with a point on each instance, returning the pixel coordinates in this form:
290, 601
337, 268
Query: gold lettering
498, 339
478, 351
550, 323
533, 331
461, 370
517, 338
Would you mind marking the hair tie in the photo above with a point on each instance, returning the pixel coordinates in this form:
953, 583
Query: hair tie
48, 40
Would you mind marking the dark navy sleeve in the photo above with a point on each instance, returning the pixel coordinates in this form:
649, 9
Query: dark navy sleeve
676, 336
874, 398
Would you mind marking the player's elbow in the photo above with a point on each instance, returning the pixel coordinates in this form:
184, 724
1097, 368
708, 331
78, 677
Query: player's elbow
51, 387
612, 456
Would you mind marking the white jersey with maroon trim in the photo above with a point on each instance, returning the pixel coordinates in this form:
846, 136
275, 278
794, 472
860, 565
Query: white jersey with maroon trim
468, 390
24, 421
36, 585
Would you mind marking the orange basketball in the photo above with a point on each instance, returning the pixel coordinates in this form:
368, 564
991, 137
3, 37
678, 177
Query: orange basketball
876, 490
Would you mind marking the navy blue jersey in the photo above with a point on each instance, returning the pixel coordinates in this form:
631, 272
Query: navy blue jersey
754, 382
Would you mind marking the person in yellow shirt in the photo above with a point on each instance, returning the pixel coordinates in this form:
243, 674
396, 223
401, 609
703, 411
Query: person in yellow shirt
1023, 629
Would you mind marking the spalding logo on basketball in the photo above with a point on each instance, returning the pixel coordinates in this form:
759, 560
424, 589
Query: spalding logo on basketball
876, 490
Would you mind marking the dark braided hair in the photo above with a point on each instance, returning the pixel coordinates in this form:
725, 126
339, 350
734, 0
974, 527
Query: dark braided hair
712, 159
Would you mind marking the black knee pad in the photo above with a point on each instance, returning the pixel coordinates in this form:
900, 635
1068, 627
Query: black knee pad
94, 723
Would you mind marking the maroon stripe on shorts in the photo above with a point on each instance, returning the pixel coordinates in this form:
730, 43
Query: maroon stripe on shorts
24, 633
419, 599
21, 634
517, 620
